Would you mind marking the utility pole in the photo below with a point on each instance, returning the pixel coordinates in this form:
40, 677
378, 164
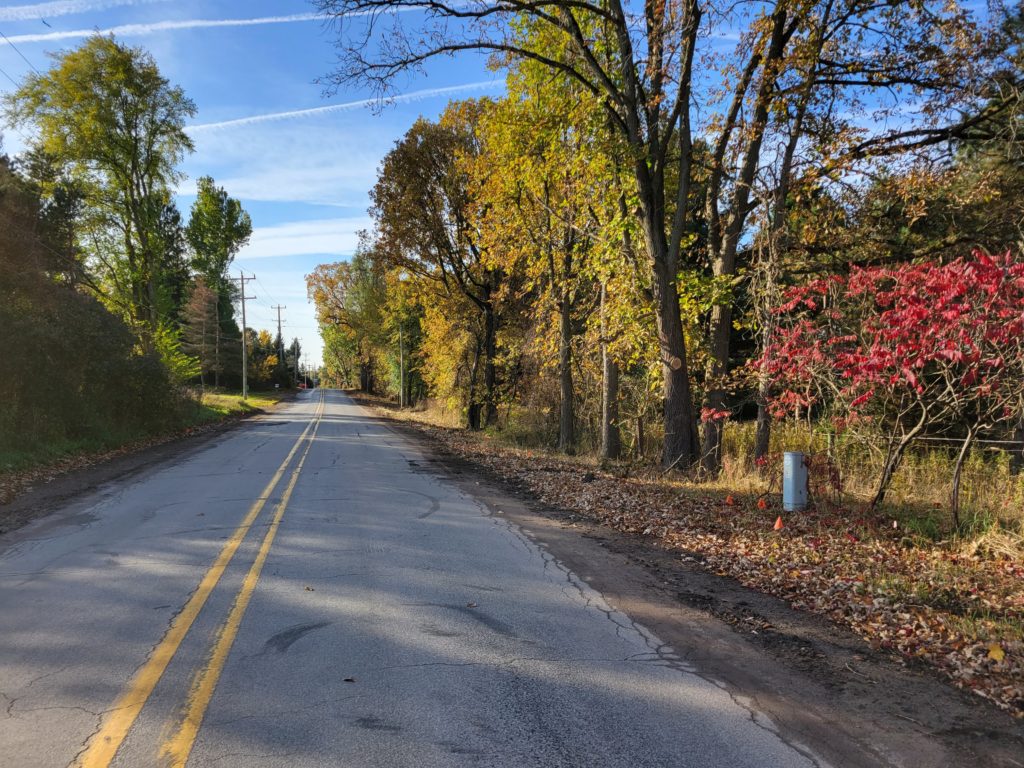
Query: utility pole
281, 361
401, 367
280, 338
242, 279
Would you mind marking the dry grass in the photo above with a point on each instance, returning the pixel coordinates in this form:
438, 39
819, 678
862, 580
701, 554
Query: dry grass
992, 497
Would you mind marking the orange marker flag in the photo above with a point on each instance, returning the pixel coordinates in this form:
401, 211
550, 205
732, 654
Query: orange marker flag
778, 524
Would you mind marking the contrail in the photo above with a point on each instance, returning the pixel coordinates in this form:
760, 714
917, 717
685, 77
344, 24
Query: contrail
159, 26
401, 98
63, 8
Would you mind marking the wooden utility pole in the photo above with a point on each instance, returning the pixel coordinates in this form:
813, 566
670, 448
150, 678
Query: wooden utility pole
401, 368
280, 338
242, 280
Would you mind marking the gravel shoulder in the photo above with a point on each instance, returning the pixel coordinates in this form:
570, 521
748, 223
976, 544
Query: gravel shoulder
822, 685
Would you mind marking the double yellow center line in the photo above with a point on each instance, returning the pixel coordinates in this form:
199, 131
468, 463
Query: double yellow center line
103, 746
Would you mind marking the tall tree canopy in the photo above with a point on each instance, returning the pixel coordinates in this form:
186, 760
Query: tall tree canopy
114, 125
809, 71
218, 227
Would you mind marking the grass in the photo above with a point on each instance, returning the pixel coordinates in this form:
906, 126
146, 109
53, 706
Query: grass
992, 498
30, 455
215, 406
212, 407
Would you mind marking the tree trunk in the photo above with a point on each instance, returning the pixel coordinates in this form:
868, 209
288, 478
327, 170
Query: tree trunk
490, 377
566, 416
611, 441
473, 408
638, 448
954, 497
720, 334
680, 439
763, 431
725, 241
894, 457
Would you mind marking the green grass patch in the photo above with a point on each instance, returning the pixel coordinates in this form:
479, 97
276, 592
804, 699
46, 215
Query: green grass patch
214, 406
28, 453
35, 454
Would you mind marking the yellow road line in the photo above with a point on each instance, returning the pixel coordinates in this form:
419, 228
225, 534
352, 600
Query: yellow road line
175, 750
116, 723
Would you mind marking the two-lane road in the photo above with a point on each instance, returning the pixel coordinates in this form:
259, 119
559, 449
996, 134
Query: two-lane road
302, 593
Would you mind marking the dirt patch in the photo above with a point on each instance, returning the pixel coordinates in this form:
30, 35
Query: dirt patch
821, 685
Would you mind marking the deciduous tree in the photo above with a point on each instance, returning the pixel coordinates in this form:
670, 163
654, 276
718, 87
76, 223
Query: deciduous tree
107, 117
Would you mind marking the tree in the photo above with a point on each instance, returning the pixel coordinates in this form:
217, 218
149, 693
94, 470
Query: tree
98, 383
538, 177
925, 348
218, 227
201, 329
293, 355
349, 297
428, 226
640, 69
108, 119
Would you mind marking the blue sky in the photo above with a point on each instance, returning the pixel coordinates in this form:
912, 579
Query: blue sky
303, 172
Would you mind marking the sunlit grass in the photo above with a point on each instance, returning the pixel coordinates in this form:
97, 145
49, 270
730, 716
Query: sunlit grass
212, 406
28, 453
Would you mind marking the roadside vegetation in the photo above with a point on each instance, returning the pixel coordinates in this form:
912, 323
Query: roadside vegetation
32, 461
673, 251
117, 312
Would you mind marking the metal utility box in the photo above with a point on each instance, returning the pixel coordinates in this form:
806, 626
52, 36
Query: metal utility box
794, 481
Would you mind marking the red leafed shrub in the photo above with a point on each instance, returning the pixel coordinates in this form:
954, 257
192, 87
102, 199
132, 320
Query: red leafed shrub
920, 347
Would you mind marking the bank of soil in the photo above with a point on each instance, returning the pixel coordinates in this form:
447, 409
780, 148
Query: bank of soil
821, 684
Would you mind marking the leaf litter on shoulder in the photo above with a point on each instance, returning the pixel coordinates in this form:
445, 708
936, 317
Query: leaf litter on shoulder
957, 611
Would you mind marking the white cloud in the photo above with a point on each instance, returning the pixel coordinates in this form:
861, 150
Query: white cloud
160, 26
403, 98
331, 162
319, 236
63, 8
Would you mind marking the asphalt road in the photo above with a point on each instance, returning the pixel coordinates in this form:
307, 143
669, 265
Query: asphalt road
304, 592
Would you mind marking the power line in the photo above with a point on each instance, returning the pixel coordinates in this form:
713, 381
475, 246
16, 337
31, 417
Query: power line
18, 51
15, 82
267, 293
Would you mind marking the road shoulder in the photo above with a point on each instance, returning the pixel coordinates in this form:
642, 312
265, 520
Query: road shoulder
821, 686
58, 486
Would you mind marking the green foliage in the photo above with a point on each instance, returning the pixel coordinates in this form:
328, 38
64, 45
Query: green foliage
217, 228
112, 128
180, 366
76, 372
